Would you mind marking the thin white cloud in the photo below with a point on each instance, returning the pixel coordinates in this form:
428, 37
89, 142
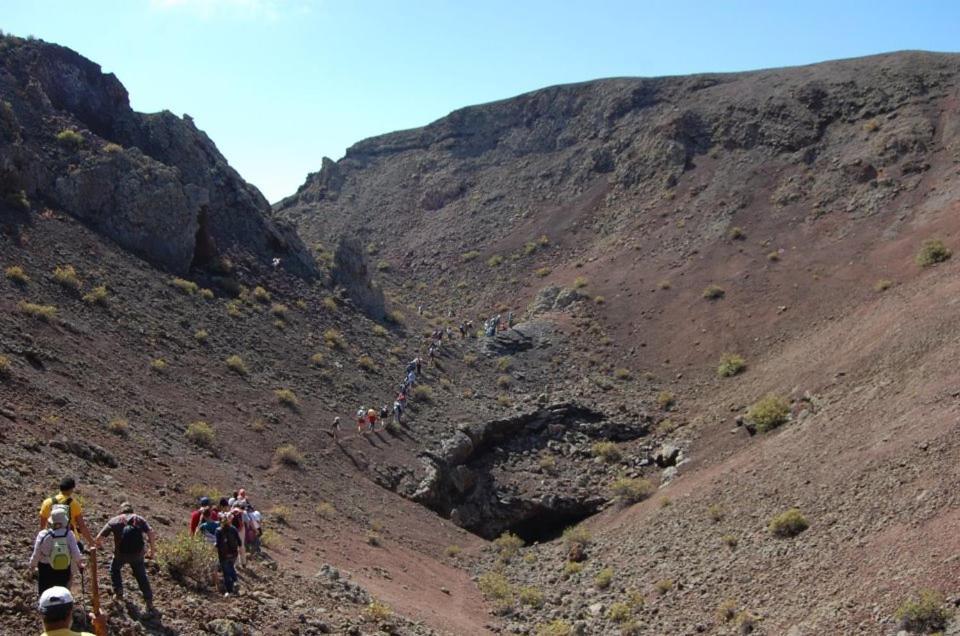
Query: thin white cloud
249, 9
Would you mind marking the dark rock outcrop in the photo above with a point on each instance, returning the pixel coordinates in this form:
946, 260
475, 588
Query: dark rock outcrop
351, 272
153, 183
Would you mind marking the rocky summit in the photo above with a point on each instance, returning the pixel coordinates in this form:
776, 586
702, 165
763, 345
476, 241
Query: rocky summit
658, 356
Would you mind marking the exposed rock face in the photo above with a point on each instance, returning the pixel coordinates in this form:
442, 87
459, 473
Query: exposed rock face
351, 272
465, 478
154, 183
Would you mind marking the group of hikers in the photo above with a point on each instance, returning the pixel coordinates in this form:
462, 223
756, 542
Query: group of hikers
233, 526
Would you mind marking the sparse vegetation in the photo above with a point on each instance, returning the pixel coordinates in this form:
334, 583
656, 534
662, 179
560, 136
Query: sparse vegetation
664, 284
234, 308
17, 274
730, 541
422, 393
287, 397
470, 359
619, 612
281, 514
495, 261
609, 451
66, 276
504, 401
577, 535
4, 366
380, 331
288, 455
730, 365
736, 234
453, 551
663, 586
715, 513
383, 266
622, 374
924, 613
201, 336
600, 300
508, 545
932, 251
769, 412
112, 148
118, 426
236, 364
334, 339
580, 282
531, 596
727, 610
603, 579
261, 295
882, 285
329, 303
495, 586
201, 434
504, 381
17, 200
630, 490
542, 272
158, 365
789, 523
206, 294
70, 139
366, 363
466, 257
188, 561
773, 256
279, 310
548, 464
665, 400
378, 612
97, 296
713, 292
556, 627
504, 364
571, 568
186, 286
270, 539
326, 510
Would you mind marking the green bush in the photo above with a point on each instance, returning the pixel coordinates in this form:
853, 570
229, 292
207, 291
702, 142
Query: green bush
201, 434
769, 412
730, 365
789, 523
97, 296
45, 313
236, 364
70, 139
609, 451
629, 490
186, 286
932, 252
603, 579
188, 560
924, 613
288, 455
17, 274
495, 586
557, 627
619, 612
531, 596
713, 292
508, 545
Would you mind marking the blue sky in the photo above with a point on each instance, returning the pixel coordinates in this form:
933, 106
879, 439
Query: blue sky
278, 84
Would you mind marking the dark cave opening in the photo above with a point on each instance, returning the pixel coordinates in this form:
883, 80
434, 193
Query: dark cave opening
548, 525
204, 247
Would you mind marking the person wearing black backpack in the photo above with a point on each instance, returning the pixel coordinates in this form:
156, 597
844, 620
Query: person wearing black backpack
128, 530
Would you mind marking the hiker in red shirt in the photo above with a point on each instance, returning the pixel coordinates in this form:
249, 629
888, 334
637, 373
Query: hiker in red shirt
197, 514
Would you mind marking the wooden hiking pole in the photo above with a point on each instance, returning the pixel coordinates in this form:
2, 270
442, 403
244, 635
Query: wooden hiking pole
99, 626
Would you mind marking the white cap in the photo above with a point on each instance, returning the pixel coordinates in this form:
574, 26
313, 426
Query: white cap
59, 516
54, 597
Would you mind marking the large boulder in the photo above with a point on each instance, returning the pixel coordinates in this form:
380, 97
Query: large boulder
351, 272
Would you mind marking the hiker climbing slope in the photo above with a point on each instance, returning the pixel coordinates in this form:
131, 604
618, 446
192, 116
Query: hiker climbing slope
66, 497
133, 541
56, 554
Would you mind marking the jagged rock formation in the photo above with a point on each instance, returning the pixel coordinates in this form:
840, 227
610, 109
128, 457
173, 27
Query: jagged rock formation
153, 183
469, 477
352, 273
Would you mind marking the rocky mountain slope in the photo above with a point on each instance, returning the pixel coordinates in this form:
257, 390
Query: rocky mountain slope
653, 225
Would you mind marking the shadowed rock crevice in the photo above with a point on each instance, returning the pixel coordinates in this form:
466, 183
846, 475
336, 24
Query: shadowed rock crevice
477, 476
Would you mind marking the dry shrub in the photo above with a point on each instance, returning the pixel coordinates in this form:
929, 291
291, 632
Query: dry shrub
236, 364
788, 523
46, 313
17, 274
288, 455
629, 490
187, 560
769, 412
201, 434
97, 296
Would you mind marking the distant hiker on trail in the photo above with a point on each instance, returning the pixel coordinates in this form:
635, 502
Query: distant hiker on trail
205, 507
55, 552
402, 399
228, 549
397, 412
56, 612
361, 419
129, 530
432, 352
238, 519
223, 506
335, 427
65, 497
510, 320
208, 526
372, 420
420, 309
254, 524
384, 413
470, 328
463, 330
418, 361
